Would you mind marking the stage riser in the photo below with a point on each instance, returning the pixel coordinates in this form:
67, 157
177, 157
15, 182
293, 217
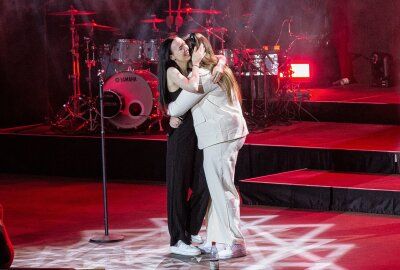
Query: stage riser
339, 112
145, 159
81, 157
321, 198
367, 113
267, 160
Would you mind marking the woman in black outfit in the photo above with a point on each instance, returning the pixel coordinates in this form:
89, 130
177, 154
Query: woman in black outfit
184, 161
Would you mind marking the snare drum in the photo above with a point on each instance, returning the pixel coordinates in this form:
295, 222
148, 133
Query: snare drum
127, 51
130, 98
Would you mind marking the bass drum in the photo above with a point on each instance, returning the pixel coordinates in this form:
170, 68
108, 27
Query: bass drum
130, 98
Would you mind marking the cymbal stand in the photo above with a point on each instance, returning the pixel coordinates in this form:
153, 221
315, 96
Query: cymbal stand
75, 65
71, 115
91, 62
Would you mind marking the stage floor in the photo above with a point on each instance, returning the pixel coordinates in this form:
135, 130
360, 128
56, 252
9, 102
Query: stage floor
51, 219
322, 135
325, 135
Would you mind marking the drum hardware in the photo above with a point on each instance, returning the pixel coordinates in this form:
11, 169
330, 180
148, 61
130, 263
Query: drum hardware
72, 115
91, 62
212, 31
80, 112
209, 28
169, 20
156, 117
178, 18
187, 9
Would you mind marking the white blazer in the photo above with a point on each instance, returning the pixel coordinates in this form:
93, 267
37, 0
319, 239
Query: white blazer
214, 119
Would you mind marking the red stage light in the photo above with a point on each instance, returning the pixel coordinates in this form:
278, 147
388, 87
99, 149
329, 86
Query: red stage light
299, 71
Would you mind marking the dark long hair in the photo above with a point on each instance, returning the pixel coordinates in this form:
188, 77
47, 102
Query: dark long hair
165, 62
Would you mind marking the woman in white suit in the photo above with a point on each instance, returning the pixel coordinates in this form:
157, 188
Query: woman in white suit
221, 132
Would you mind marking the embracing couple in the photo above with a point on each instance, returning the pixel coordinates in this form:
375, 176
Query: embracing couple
208, 129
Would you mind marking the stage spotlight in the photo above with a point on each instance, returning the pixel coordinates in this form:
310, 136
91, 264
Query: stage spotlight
301, 70
298, 72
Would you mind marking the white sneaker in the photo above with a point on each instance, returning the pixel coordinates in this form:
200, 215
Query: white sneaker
232, 251
196, 239
183, 249
205, 248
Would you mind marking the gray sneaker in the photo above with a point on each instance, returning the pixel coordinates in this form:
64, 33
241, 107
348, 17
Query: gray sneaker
183, 249
232, 251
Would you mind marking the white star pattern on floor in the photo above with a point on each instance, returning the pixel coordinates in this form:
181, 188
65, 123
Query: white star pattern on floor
270, 246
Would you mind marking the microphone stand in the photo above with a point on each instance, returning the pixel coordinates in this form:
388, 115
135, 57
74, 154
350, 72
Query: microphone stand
106, 238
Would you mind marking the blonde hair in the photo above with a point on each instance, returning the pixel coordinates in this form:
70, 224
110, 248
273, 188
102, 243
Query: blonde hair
228, 81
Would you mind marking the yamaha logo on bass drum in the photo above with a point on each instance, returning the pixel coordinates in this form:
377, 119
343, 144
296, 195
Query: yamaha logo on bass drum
126, 79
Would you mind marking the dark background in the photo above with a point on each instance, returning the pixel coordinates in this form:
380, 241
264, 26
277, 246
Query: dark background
35, 58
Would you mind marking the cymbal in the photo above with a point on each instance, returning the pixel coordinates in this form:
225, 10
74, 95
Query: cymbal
71, 12
195, 10
96, 26
153, 20
209, 29
206, 11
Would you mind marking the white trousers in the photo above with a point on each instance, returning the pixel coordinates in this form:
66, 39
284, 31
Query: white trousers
223, 215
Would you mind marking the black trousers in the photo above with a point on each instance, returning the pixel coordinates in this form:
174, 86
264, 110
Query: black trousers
184, 172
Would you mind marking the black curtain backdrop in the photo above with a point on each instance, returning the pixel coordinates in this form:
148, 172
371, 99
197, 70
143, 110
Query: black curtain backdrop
35, 58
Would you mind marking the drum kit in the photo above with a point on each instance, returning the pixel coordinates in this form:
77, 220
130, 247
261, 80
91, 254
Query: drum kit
127, 73
130, 92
